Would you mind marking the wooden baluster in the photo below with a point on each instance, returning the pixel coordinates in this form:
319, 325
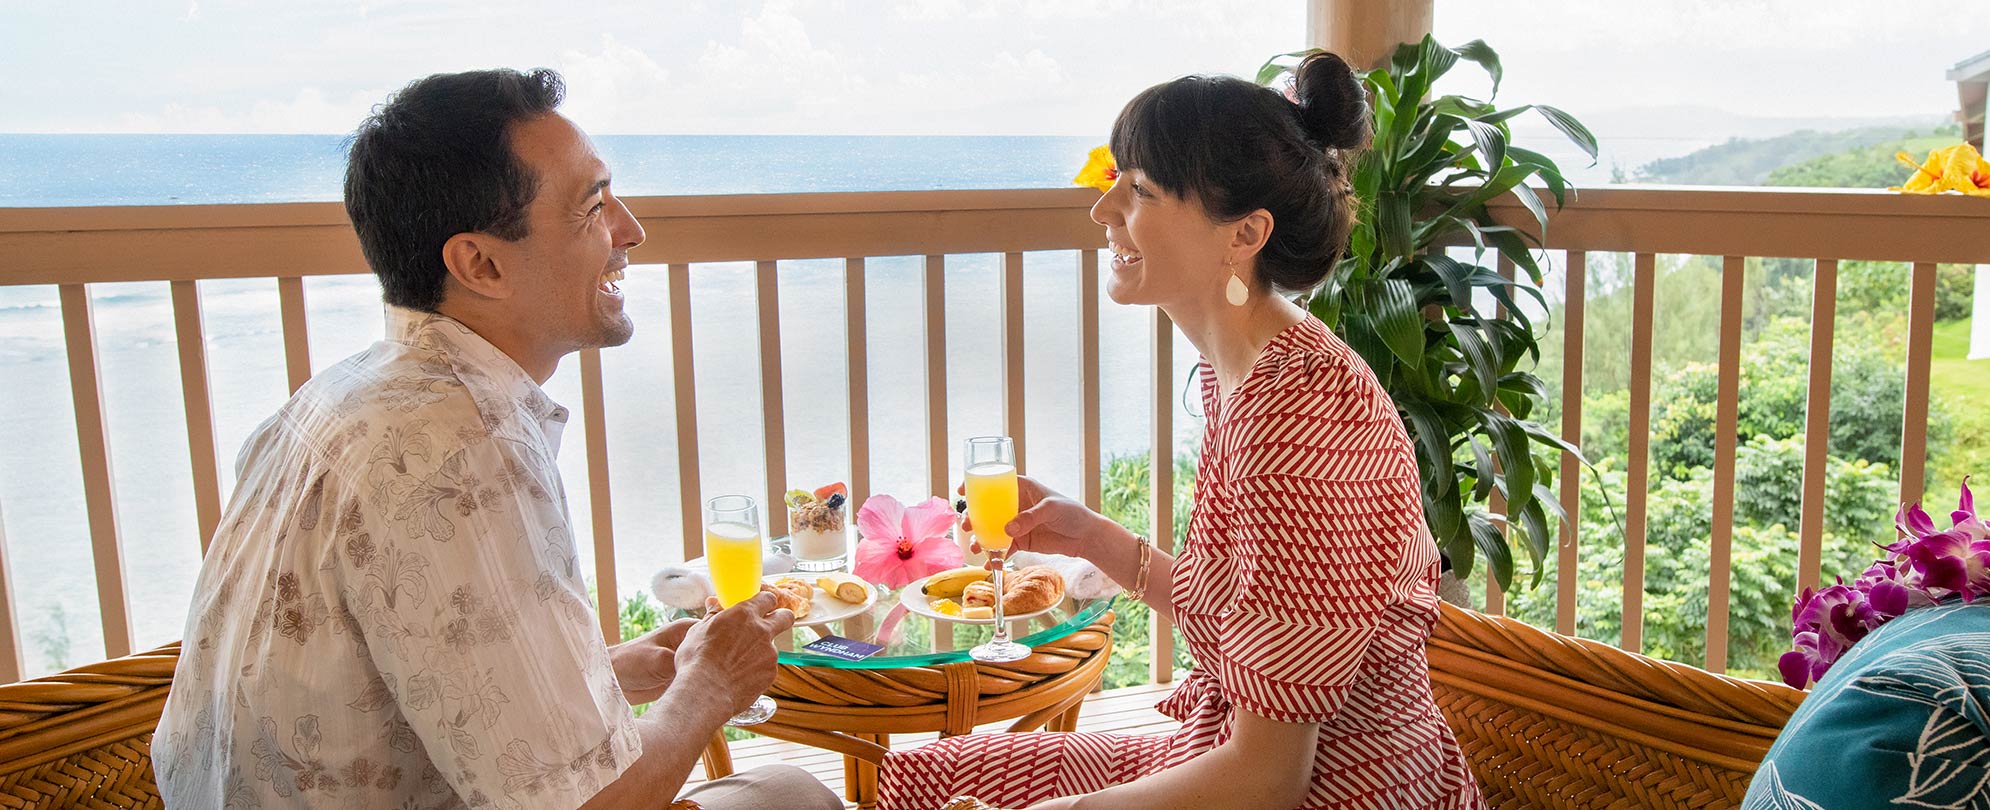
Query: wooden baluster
1089, 463
296, 335
1727, 415
689, 502
1013, 409
1568, 565
773, 424
93, 440
1920, 340
857, 360
935, 313
1643, 282
191, 335
1817, 424
593, 404
1162, 482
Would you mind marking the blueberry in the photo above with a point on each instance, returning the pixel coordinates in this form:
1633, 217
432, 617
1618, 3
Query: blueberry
836, 501
960, 505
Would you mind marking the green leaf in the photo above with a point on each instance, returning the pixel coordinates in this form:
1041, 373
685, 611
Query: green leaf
1545, 169
1457, 279
1516, 465
1534, 524
1478, 51
1397, 320
1429, 430
1361, 337
1479, 355
1543, 495
1482, 468
1272, 69
1572, 128
1533, 202
1491, 142
1392, 223
1492, 544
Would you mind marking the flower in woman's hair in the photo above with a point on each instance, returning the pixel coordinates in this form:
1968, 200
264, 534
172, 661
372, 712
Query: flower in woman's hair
1100, 171
902, 544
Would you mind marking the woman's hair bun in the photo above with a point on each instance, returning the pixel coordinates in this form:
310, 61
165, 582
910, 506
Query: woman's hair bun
1333, 104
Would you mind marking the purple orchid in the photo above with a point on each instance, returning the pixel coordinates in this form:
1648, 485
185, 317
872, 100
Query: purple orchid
1923, 567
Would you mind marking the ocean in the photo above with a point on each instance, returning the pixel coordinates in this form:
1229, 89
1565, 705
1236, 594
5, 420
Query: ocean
41, 495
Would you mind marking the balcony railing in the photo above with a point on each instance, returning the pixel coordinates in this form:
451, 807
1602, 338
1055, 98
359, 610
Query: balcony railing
74, 248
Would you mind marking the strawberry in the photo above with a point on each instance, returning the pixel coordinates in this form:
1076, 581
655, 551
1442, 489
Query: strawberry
833, 489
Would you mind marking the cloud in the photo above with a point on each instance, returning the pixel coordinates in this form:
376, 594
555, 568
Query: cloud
310, 111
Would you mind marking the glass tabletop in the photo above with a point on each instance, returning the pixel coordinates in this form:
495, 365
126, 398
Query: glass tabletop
911, 633
913, 638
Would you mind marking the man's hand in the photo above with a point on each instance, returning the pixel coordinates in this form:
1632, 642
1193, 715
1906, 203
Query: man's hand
729, 658
646, 664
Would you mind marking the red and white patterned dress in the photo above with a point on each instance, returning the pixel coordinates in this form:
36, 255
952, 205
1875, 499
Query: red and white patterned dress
1306, 591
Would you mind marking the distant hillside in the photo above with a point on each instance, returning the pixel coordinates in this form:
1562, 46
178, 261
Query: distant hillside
1862, 167
1740, 162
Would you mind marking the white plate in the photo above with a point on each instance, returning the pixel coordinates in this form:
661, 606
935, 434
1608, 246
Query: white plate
913, 598
824, 608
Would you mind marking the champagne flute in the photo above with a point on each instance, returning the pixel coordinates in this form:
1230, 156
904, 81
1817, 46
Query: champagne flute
733, 549
991, 504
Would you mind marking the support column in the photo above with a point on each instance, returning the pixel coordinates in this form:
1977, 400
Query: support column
1366, 32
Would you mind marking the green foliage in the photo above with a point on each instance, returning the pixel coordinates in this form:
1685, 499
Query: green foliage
1868, 165
640, 615
1678, 554
1763, 161
1124, 486
1459, 370
1866, 402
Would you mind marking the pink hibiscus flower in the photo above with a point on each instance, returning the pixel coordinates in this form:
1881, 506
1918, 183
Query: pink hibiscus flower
902, 544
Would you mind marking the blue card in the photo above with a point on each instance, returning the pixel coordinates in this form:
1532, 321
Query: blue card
840, 647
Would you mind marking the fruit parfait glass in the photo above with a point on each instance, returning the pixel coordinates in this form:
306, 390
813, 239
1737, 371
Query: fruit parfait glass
818, 528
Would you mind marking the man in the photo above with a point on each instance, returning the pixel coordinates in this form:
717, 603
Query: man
391, 614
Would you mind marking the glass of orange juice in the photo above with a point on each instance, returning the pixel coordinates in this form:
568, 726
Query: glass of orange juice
991, 504
734, 551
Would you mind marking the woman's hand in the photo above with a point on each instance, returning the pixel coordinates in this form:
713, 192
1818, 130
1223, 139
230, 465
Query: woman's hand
1049, 523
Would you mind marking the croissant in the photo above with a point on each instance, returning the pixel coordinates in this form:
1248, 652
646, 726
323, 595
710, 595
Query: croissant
966, 803
795, 595
1031, 589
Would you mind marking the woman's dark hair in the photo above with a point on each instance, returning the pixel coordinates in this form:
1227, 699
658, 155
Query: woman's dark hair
1236, 147
436, 161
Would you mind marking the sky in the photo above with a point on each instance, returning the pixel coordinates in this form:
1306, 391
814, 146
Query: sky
1054, 67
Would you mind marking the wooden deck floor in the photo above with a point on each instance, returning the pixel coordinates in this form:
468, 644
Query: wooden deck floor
1121, 711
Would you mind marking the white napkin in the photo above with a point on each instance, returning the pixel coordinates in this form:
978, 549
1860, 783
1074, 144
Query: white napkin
685, 586
1082, 579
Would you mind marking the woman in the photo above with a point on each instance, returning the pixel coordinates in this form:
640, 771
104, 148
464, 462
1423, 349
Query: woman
1308, 583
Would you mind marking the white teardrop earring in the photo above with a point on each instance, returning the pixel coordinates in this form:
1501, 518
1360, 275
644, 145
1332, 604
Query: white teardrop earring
1235, 291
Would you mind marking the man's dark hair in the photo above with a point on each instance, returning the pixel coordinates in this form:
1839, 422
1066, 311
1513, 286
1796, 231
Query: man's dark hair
436, 161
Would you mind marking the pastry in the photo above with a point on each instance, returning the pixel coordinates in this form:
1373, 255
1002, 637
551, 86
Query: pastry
795, 595
1031, 589
966, 803
1026, 591
979, 594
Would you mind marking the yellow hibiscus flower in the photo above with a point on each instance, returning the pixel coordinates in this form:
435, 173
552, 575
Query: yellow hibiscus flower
1958, 168
1100, 171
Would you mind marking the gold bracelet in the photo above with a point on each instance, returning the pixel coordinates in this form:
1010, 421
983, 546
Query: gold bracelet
1146, 557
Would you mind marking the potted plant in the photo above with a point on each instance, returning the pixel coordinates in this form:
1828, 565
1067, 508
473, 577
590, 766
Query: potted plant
1460, 373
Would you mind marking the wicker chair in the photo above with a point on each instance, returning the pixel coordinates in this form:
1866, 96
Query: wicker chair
1548, 722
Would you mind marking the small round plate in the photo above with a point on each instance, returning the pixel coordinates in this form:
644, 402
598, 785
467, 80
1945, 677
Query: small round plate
915, 600
824, 608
